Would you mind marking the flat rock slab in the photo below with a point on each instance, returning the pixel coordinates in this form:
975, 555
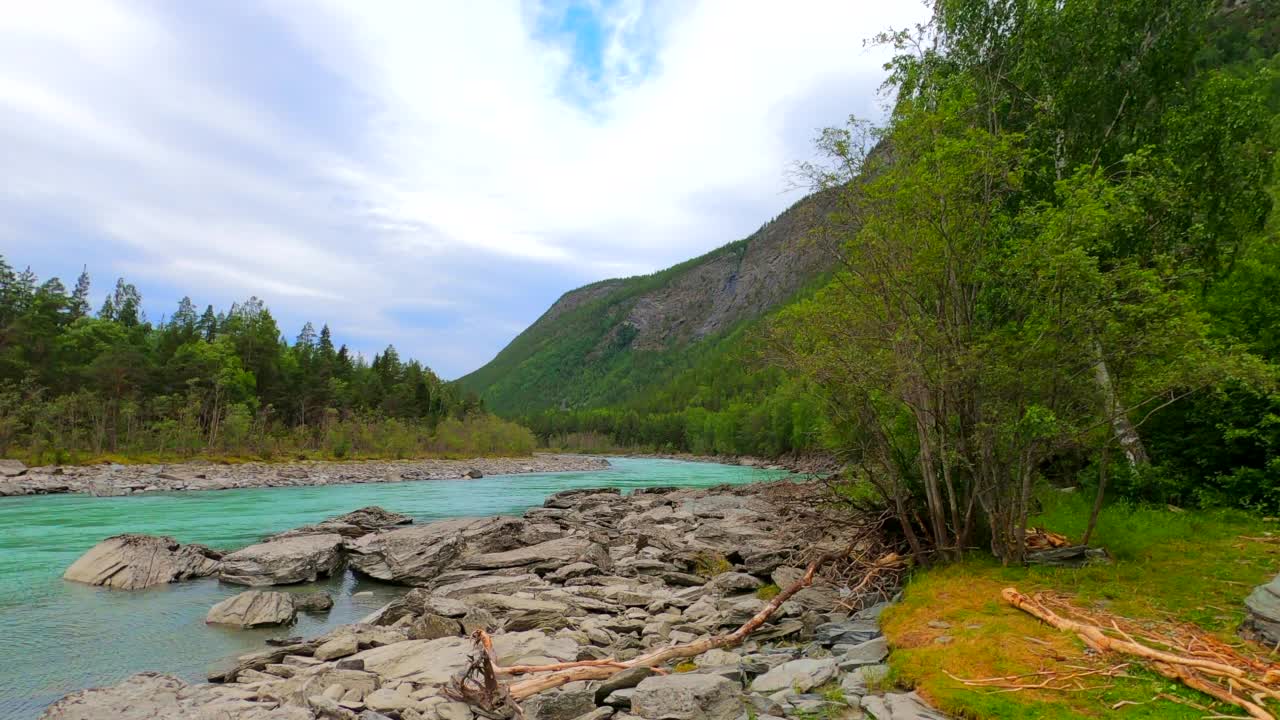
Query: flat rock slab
133, 562
798, 675
155, 696
899, 706
354, 524
302, 558
687, 696
254, 608
416, 555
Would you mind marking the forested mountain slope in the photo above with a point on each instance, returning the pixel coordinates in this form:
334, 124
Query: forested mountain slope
613, 341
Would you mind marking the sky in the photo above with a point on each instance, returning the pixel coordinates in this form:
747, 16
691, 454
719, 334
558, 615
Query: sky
425, 173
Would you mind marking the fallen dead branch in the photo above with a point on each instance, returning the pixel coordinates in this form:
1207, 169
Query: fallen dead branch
1194, 659
478, 685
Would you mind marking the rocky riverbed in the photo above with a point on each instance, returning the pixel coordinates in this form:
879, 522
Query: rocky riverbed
112, 479
591, 575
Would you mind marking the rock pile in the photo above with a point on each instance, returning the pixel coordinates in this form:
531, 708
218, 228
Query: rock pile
110, 480
591, 575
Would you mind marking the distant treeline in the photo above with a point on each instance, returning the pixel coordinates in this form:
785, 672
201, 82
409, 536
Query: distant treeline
75, 384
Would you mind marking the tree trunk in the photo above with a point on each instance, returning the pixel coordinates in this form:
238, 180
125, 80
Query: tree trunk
1126, 434
1103, 461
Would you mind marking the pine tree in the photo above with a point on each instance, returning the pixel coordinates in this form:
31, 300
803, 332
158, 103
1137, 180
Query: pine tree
208, 324
80, 296
307, 337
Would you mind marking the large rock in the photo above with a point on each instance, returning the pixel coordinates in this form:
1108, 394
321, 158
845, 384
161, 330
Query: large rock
254, 608
1262, 624
687, 696
132, 562
550, 555
301, 558
353, 524
416, 555
799, 675
565, 703
154, 696
12, 468
899, 706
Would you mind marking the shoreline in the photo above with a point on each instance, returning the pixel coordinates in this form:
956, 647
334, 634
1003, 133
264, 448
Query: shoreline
589, 576
812, 464
113, 480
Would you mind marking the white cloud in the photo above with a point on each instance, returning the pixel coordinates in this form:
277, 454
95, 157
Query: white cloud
466, 180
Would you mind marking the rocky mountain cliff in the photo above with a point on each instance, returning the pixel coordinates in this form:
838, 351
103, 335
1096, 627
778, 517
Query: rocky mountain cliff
605, 342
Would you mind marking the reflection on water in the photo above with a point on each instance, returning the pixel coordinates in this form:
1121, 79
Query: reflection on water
61, 636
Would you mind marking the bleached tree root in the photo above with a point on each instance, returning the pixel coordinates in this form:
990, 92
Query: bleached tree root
1187, 669
484, 693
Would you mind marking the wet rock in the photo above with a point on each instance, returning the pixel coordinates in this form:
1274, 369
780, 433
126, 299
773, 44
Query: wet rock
687, 696
313, 602
133, 562
474, 474
301, 558
253, 608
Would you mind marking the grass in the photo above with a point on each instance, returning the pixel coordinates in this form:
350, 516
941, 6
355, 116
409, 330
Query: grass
1187, 566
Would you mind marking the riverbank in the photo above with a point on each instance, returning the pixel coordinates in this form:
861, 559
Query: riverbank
1189, 568
809, 464
109, 480
592, 575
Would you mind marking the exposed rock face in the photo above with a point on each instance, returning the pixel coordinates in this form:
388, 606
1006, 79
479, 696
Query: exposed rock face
351, 525
687, 697
416, 555
12, 468
133, 562
799, 675
253, 608
300, 558
153, 696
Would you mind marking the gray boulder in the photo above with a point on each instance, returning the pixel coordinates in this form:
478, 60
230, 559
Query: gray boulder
899, 706
12, 468
253, 608
565, 703
313, 602
549, 555
798, 675
687, 696
416, 555
1262, 624
133, 562
301, 558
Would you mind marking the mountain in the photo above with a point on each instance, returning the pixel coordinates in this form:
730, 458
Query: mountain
614, 341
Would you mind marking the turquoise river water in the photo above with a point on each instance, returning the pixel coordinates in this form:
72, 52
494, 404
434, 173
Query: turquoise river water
61, 636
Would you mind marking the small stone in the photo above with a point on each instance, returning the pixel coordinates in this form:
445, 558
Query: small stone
628, 678
942, 640
939, 624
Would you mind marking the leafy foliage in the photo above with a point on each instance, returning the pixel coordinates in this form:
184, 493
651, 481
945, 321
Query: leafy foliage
76, 385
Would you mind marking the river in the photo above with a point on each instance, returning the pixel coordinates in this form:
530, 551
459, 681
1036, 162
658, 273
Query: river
61, 636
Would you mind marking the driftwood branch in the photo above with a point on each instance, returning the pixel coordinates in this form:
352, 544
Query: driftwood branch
557, 674
1190, 670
